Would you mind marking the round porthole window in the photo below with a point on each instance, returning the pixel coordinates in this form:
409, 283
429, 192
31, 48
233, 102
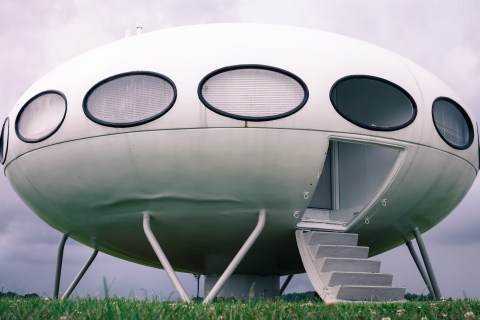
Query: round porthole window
4, 142
41, 116
253, 92
129, 99
373, 103
452, 123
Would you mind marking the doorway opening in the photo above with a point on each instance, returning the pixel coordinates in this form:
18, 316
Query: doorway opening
352, 175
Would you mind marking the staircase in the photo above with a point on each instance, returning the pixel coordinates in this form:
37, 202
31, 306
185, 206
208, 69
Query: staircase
340, 271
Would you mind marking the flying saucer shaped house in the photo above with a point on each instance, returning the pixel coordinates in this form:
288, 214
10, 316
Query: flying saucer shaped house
244, 152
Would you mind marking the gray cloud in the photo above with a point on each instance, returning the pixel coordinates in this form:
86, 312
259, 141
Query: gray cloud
462, 226
36, 36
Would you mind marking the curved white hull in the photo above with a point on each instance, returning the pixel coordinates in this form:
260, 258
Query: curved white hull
203, 175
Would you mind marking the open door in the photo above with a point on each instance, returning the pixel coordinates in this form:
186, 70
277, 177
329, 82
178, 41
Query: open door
352, 175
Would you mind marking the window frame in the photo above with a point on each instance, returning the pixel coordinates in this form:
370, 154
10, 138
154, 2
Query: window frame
17, 129
478, 145
385, 81
132, 123
252, 66
4, 138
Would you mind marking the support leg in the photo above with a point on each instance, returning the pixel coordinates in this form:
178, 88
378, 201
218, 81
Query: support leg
426, 261
163, 259
420, 267
238, 258
80, 275
285, 284
58, 271
197, 279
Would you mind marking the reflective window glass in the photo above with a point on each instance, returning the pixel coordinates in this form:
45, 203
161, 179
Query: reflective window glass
452, 123
373, 103
253, 92
41, 116
130, 99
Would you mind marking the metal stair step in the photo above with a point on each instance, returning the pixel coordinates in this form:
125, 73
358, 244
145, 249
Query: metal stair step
335, 251
331, 238
346, 265
339, 270
368, 293
334, 278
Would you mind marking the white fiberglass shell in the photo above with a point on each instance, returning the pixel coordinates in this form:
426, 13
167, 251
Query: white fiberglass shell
204, 176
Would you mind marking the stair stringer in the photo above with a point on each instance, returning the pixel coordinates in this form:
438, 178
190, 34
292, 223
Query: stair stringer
322, 290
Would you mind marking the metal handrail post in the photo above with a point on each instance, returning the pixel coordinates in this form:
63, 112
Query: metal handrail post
80, 275
58, 270
163, 259
238, 258
426, 261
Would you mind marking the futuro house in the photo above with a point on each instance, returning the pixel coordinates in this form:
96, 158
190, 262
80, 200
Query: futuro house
244, 152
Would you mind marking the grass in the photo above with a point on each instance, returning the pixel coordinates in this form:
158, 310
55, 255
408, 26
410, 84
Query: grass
116, 308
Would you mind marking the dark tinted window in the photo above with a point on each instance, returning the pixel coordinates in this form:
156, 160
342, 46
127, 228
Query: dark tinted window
373, 103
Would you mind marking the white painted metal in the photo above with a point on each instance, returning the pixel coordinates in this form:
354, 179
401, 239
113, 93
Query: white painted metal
335, 175
426, 261
339, 251
337, 278
341, 275
58, 269
163, 259
420, 267
80, 275
238, 257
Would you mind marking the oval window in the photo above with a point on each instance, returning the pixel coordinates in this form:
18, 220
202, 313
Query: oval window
452, 123
129, 99
4, 142
373, 103
253, 92
41, 116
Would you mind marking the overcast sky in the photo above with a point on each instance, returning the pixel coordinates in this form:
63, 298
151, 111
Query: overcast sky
36, 36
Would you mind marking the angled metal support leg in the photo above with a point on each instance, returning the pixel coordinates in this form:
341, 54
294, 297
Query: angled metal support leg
420, 267
285, 284
58, 270
238, 258
163, 259
80, 275
426, 261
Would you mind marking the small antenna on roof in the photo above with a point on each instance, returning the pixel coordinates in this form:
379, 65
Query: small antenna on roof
139, 28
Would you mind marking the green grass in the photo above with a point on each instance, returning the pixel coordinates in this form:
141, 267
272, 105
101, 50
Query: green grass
116, 308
